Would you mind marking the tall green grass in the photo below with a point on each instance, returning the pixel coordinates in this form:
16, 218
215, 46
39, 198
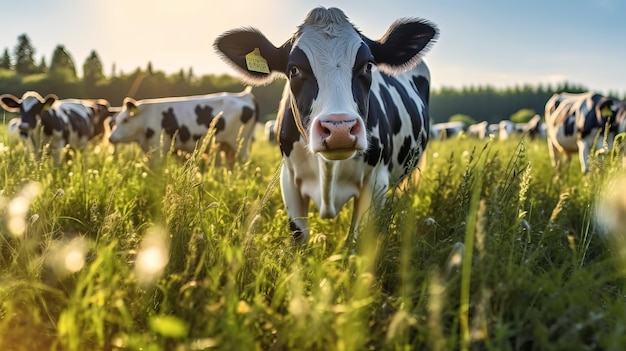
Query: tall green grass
491, 250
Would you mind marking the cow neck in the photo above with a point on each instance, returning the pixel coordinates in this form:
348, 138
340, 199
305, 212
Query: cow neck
297, 118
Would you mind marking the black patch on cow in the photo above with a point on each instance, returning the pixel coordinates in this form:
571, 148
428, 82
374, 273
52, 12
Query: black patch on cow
204, 115
79, 124
289, 133
404, 152
304, 89
389, 111
197, 137
409, 104
295, 231
184, 134
362, 79
149, 133
374, 152
52, 122
569, 126
423, 88
591, 120
220, 125
380, 147
246, 114
169, 122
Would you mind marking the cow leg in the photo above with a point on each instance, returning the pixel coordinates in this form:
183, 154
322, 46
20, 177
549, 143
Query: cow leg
361, 212
229, 153
583, 154
370, 200
297, 206
554, 153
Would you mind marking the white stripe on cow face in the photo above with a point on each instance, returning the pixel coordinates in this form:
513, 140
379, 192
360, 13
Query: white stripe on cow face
332, 61
332, 51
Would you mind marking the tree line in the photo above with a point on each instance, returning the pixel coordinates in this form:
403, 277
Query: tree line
19, 72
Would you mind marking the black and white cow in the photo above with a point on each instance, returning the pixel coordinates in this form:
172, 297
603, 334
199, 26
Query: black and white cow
506, 128
189, 118
58, 123
534, 128
447, 130
478, 130
348, 128
270, 131
576, 121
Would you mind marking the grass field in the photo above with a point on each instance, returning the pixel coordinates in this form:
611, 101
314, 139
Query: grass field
493, 250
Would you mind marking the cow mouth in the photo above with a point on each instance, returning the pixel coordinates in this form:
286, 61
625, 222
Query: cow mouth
338, 154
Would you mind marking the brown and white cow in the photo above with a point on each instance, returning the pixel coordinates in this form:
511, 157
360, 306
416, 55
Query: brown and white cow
348, 128
189, 119
575, 122
58, 123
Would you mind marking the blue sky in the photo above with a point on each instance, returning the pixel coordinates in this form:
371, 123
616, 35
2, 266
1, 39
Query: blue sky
496, 42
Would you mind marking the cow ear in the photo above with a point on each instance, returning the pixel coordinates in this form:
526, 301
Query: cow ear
10, 103
48, 101
404, 44
131, 106
252, 55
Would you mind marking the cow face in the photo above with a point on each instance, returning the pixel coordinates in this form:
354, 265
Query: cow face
101, 111
128, 125
30, 107
328, 65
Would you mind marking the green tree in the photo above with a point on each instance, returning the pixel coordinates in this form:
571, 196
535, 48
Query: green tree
42, 67
24, 56
62, 64
5, 61
522, 115
92, 69
459, 117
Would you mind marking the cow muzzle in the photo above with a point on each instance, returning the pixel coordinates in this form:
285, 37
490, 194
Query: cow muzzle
24, 129
338, 136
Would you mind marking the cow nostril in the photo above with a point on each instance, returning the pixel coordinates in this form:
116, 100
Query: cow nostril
355, 129
326, 131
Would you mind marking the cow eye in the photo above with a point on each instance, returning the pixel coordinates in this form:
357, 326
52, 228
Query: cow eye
367, 68
294, 71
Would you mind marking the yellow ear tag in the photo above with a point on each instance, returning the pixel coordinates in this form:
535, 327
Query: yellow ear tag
606, 112
256, 62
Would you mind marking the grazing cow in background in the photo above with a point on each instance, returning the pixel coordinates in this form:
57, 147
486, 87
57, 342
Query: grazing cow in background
189, 118
270, 131
506, 128
59, 123
493, 129
478, 130
579, 121
447, 130
348, 128
534, 128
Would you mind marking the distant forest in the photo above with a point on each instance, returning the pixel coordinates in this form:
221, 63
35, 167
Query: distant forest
19, 72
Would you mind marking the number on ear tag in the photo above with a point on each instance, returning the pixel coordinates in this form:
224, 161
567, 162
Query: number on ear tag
256, 62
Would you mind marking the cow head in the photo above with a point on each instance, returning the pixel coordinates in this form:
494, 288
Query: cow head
101, 111
127, 126
328, 64
30, 107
